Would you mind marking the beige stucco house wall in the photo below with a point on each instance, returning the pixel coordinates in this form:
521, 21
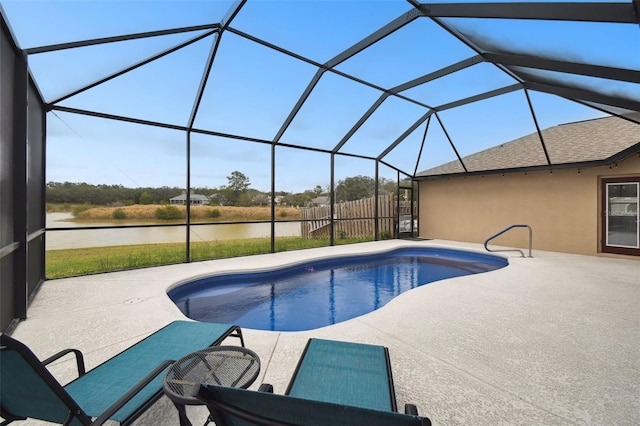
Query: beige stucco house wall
563, 207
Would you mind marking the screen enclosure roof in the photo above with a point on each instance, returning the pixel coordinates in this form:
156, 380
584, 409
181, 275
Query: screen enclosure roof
413, 85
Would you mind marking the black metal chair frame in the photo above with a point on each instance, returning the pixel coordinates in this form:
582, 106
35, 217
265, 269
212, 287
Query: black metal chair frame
74, 410
259, 420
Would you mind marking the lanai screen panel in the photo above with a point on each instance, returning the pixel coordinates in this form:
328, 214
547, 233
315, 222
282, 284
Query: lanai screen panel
324, 120
250, 88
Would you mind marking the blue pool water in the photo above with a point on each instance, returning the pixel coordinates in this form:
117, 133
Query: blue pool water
323, 292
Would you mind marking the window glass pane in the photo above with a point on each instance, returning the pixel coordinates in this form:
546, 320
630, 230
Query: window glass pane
622, 215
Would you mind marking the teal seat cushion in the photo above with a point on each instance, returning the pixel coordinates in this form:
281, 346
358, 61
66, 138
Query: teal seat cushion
105, 384
345, 373
24, 392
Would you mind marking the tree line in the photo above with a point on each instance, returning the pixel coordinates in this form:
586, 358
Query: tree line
237, 192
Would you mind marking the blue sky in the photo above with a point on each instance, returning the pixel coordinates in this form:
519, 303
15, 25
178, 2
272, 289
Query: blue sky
252, 89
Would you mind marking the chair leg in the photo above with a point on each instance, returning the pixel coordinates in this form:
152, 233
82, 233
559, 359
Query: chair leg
182, 415
238, 334
209, 420
8, 418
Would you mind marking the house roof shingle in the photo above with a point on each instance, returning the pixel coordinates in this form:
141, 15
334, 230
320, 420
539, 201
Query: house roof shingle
577, 142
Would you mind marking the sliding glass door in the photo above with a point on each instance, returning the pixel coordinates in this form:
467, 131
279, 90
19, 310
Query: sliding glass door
621, 226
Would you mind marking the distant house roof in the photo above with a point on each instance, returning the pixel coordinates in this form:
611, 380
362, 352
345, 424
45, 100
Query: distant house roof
572, 143
193, 197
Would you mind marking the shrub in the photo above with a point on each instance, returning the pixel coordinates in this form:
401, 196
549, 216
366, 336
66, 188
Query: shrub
80, 208
169, 213
146, 198
119, 214
213, 213
385, 235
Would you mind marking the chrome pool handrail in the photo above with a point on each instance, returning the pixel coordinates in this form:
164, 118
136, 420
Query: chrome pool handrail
507, 229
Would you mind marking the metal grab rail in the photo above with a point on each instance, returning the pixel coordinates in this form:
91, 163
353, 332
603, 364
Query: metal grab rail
505, 230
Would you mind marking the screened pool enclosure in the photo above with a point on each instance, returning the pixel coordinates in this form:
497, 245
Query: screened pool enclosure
279, 106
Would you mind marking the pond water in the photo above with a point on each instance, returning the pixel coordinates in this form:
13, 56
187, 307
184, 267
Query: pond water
79, 238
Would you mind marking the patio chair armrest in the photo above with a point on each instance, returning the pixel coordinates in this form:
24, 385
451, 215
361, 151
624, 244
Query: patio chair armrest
132, 392
266, 387
412, 410
76, 352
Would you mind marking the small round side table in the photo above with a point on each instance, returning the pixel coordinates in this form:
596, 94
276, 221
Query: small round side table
233, 366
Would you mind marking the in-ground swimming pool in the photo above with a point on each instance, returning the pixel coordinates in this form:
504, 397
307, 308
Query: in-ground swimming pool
318, 293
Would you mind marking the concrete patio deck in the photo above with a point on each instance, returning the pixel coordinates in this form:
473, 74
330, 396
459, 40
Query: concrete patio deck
548, 340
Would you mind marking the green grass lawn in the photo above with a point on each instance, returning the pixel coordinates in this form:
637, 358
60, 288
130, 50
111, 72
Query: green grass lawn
84, 261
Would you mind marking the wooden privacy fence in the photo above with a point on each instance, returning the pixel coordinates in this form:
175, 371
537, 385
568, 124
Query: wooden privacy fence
353, 219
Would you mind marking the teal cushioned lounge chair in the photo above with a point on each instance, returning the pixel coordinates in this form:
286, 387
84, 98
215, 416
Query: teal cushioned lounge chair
347, 373
335, 383
119, 389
